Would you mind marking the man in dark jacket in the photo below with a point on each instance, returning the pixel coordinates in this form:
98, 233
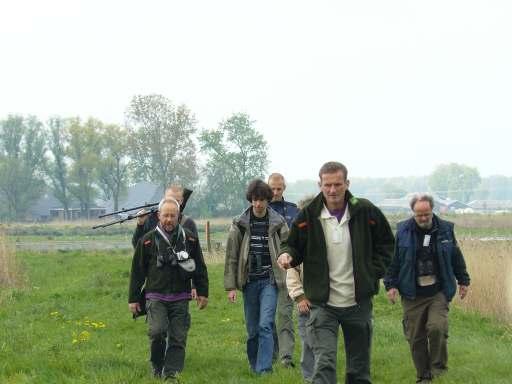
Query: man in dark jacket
424, 270
285, 340
345, 244
165, 261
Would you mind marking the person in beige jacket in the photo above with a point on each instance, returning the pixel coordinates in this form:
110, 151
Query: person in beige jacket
296, 292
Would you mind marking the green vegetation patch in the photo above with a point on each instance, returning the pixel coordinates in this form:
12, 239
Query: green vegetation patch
71, 324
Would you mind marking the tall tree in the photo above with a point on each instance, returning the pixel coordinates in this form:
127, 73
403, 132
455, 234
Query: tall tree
113, 168
83, 151
237, 153
456, 181
57, 168
21, 163
163, 149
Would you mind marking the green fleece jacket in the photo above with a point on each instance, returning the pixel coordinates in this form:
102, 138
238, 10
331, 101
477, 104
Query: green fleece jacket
168, 278
372, 248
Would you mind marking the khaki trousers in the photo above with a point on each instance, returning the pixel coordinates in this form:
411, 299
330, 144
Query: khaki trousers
425, 325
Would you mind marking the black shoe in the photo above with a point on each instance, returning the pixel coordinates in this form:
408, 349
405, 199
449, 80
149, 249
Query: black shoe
287, 363
172, 377
156, 371
436, 372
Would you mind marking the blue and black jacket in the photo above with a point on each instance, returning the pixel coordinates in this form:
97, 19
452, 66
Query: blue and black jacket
286, 209
401, 273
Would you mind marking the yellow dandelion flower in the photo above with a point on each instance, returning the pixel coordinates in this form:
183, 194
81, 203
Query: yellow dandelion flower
84, 336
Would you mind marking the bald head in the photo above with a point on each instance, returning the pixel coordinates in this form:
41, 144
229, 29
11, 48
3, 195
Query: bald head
277, 185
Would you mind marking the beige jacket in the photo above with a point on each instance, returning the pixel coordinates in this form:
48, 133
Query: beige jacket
294, 283
236, 266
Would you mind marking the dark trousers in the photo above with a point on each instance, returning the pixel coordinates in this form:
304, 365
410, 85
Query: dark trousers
426, 329
357, 325
285, 325
168, 328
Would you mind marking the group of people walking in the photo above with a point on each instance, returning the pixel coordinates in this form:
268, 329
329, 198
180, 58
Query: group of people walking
326, 258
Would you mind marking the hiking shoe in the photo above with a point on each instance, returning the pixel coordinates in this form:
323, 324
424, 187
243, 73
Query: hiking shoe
436, 372
287, 363
172, 377
156, 371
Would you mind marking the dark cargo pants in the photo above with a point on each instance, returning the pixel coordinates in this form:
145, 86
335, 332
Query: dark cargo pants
357, 325
285, 325
168, 323
426, 329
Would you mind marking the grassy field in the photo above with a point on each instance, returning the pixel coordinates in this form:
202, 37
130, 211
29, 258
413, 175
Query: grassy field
69, 323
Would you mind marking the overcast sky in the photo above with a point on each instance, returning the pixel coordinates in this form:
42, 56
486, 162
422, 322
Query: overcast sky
390, 88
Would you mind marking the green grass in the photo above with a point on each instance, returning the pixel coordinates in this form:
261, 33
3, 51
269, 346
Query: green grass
68, 293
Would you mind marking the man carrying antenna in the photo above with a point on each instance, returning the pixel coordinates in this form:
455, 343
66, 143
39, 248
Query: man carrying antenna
146, 223
165, 262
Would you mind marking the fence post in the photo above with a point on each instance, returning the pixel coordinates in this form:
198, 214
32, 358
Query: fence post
208, 239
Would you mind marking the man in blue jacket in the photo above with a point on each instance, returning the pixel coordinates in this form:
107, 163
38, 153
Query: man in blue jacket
426, 267
285, 343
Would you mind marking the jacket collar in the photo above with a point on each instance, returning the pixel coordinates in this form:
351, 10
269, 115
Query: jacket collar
274, 218
314, 209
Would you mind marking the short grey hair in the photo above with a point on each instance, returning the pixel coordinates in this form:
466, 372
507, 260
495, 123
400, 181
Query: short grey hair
168, 200
421, 197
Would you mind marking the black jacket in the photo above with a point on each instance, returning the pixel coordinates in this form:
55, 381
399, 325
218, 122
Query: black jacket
372, 248
167, 278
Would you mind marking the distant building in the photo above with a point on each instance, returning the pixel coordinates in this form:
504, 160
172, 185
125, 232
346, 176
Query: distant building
138, 194
490, 206
401, 205
47, 208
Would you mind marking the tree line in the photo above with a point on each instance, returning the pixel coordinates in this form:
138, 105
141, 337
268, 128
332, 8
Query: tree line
82, 160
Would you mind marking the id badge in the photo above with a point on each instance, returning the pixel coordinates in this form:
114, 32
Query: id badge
426, 241
425, 281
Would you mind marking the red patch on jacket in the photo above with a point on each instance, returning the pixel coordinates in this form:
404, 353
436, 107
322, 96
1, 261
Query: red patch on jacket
302, 225
147, 242
372, 222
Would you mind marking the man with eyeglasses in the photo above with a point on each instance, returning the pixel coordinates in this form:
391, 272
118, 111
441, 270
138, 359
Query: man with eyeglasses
425, 270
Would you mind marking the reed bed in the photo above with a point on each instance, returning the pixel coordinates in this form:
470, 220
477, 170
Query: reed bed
490, 267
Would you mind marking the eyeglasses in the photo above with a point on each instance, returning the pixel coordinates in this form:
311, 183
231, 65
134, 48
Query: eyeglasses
420, 215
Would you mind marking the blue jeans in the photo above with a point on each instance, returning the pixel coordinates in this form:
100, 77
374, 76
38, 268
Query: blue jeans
260, 301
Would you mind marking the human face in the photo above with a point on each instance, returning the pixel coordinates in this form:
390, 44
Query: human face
176, 195
259, 207
168, 216
333, 186
277, 186
423, 214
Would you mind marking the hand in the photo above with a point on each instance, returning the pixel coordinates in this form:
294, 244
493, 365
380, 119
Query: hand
202, 302
392, 295
141, 219
193, 293
232, 295
304, 306
134, 308
463, 291
284, 261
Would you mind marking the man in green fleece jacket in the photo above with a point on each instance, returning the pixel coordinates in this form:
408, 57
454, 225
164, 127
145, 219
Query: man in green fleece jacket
165, 261
345, 245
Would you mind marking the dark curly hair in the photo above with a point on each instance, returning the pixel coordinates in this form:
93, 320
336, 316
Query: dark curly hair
258, 190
